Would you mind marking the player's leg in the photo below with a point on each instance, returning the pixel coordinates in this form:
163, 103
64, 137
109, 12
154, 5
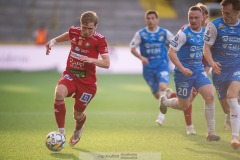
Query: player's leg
83, 96
226, 110
64, 88
162, 80
80, 119
187, 113
162, 91
207, 93
232, 96
183, 87
59, 106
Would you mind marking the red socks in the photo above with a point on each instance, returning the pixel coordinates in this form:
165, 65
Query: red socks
187, 113
60, 112
173, 95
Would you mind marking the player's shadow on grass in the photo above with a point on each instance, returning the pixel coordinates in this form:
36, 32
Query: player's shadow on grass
223, 155
64, 156
72, 156
213, 148
83, 154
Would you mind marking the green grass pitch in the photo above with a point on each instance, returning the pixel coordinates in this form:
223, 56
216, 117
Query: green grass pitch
120, 119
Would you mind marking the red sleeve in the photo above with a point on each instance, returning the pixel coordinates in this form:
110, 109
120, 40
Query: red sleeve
102, 47
74, 30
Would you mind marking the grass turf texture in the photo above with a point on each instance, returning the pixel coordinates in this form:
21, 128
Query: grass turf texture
121, 118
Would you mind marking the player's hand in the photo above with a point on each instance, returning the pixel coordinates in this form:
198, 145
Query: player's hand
49, 46
144, 61
216, 67
187, 72
86, 59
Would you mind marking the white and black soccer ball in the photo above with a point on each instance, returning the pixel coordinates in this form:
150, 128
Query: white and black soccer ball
55, 141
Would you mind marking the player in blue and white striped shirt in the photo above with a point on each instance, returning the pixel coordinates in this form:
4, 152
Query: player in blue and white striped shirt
152, 41
222, 51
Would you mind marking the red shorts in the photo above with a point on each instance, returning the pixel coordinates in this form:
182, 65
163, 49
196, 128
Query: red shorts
82, 93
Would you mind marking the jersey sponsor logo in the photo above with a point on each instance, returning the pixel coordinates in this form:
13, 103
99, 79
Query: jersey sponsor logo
75, 55
183, 84
233, 47
86, 97
78, 73
236, 73
84, 51
68, 77
221, 26
176, 37
173, 43
234, 39
206, 38
190, 35
192, 55
196, 48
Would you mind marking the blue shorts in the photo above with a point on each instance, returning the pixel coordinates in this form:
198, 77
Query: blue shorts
154, 76
185, 84
223, 81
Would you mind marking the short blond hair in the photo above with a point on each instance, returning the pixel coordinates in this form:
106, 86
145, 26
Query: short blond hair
203, 7
89, 17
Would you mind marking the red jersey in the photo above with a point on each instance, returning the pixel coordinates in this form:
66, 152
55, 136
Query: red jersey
80, 46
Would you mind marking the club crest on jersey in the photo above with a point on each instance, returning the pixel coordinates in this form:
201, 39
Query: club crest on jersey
225, 38
87, 44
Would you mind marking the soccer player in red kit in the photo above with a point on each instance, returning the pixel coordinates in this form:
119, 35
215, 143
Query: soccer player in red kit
79, 77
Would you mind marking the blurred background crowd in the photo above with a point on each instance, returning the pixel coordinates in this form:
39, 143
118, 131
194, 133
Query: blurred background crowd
36, 21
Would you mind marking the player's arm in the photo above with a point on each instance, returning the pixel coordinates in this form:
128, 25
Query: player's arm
208, 55
177, 42
173, 57
104, 62
63, 37
144, 60
210, 36
134, 44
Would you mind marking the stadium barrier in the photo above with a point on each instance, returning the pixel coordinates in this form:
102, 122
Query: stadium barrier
33, 58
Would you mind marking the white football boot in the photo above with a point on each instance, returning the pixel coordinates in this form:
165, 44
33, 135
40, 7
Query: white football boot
76, 137
190, 130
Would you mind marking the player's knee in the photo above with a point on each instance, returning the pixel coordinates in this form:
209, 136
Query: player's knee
60, 92
209, 99
226, 111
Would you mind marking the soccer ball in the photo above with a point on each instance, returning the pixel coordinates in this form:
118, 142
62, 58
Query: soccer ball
55, 141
